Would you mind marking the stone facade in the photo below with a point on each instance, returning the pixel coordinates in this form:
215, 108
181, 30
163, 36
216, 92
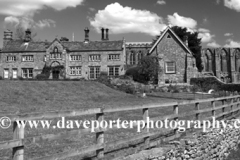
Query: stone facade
175, 59
223, 63
66, 59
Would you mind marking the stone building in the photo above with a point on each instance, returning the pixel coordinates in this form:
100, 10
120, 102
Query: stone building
64, 59
223, 63
176, 61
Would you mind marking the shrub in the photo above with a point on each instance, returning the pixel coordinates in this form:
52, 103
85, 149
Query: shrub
1, 78
207, 83
103, 78
41, 77
127, 88
134, 72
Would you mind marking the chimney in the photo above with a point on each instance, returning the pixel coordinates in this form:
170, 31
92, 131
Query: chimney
28, 37
7, 37
102, 33
86, 40
107, 38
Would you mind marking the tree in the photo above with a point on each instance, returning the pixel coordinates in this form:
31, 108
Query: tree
64, 39
194, 43
20, 33
147, 70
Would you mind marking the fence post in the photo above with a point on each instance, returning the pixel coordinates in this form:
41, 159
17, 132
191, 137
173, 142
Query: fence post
100, 137
197, 109
213, 109
175, 111
18, 133
145, 114
223, 109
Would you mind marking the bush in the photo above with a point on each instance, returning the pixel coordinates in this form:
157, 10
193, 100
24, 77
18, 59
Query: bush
207, 83
103, 78
127, 88
1, 78
136, 76
41, 77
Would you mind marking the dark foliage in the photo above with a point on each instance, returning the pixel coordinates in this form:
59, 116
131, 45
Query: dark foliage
207, 83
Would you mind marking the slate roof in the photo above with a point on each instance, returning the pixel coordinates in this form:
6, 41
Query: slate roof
19, 46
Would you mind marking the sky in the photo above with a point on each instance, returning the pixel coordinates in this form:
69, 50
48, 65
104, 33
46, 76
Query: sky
216, 21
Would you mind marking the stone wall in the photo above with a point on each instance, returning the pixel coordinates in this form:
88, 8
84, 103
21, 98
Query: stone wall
215, 144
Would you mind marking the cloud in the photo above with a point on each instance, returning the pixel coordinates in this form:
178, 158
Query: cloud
218, 1
213, 44
28, 22
228, 34
30, 7
92, 9
161, 2
232, 44
121, 19
205, 35
232, 4
181, 21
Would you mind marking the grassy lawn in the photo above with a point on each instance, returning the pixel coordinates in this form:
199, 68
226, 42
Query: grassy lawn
40, 96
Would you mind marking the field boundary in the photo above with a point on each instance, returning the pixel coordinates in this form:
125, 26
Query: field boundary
101, 148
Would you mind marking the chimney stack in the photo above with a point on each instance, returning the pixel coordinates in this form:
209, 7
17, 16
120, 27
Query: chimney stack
7, 37
102, 34
107, 38
86, 40
28, 37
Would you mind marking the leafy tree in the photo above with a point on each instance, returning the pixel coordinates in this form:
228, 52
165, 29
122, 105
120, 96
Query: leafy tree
194, 43
64, 39
20, 33
147, 70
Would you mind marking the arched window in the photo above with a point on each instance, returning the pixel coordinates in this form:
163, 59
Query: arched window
237, 60
55, 54
140, 56
132, 58
223, 61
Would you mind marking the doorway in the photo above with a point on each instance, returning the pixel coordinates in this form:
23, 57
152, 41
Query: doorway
55, 74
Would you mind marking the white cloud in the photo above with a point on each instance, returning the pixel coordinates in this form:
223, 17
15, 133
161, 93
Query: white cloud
28, 22
213, 44
232, 44
30, 7
232, 4
161, 2
92, 9
181, 21
228, 34
121, 19
205, 35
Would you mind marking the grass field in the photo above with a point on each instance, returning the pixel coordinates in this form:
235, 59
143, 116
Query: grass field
43, 96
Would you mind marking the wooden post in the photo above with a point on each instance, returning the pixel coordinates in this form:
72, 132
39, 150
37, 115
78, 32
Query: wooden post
18, 133
213, 109
100, 137
231, 106
145, 114
223, 109
197, 108
175, 111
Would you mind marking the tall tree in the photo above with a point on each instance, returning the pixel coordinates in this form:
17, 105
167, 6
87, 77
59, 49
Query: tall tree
20, 33
194, 43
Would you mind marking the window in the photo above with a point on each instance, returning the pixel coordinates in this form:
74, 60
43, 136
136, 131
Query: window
94, 72
113, 71
27, 58
14, 73
6, 73
114, 57
140, 56
95, 57
170, 67
75, 57
132, 58
76, 70
169, 36
11, 58
55, 54
27, 72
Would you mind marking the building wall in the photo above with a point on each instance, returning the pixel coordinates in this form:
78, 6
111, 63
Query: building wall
169, 50
37, 64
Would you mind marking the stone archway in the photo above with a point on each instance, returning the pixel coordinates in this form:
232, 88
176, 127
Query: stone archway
56, 69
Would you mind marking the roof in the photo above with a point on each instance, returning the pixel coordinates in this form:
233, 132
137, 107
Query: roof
20, 46
168, 29
138, 44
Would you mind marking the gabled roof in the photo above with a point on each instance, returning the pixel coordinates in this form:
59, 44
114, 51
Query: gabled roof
168, 29
20, 46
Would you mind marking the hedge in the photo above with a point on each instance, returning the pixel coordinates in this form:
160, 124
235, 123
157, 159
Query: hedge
207, 83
